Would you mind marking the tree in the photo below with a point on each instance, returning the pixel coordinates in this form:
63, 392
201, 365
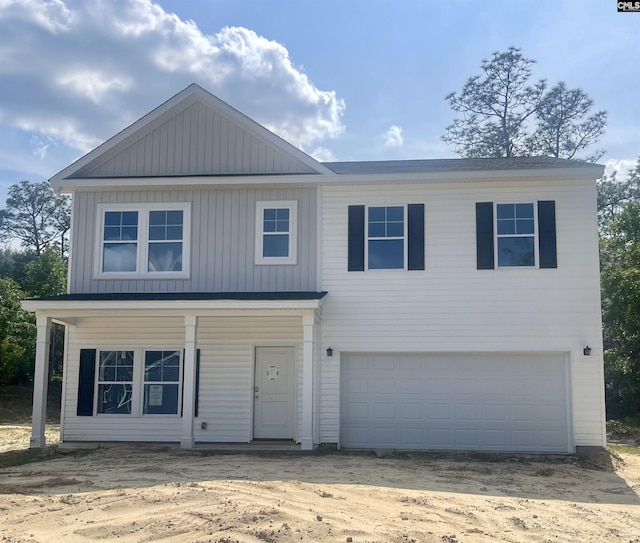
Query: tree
504, 116
495, 108
620, 279
564, 124
17, 336
46, 275
35, 216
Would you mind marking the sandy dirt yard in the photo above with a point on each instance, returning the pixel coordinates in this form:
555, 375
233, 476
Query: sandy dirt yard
152, 493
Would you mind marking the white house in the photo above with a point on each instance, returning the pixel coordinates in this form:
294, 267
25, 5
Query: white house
226, 287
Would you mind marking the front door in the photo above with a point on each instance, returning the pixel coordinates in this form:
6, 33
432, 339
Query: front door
274, 397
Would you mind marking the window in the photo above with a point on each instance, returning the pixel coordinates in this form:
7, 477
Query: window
385, 238
143, 240
115, 382
276, 239
135, 382
161, 382
515, 235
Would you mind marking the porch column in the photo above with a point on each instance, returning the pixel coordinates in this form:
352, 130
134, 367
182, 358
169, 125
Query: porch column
189, 380
308, 345
40, 382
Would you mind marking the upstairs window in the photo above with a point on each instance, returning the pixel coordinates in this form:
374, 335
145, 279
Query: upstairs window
385, 238
515, 235
143, 240
276, 232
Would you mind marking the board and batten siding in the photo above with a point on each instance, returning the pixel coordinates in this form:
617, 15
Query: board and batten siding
222, 242
227, 352
192, 139
453, 307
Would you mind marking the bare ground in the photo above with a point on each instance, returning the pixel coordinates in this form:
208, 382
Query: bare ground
152, 493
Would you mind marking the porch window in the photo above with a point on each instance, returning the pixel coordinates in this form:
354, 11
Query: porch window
161, 382
115, 382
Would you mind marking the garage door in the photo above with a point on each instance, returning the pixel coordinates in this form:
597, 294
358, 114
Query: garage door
504, 402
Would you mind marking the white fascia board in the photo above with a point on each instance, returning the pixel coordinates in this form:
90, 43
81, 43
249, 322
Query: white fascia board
70, 185
70, 307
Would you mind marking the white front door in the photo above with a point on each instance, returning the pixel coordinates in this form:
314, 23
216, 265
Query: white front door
274, 397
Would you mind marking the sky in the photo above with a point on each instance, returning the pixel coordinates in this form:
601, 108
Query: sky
341, 79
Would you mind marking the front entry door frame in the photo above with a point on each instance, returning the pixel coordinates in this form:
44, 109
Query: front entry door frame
274, 397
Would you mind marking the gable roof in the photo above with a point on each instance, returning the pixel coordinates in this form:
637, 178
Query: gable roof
192, 134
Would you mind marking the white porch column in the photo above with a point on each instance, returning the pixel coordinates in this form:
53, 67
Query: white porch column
308, 338
40, 382
189, 377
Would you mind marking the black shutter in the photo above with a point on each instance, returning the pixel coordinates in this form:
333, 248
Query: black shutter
547, 234
195, 409
484, 236
415, 233
86, 382
356, 238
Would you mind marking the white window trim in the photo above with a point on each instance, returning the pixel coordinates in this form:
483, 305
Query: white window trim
143, 210
536, 249
292, 206
405, 239
137, 383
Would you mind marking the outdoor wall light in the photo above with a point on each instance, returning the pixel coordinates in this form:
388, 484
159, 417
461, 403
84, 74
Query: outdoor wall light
329, 351
586, 351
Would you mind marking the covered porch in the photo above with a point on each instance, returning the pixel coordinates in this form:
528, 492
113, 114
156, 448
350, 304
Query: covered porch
232, 350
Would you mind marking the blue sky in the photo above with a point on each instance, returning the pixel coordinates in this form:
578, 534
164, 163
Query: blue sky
342, 79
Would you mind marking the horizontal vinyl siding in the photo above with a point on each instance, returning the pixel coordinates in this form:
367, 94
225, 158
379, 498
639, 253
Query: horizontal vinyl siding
222, 242
120, 333
227, 347
453, 307
227, 354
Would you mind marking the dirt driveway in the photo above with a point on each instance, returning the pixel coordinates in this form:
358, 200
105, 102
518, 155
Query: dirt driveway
164, 494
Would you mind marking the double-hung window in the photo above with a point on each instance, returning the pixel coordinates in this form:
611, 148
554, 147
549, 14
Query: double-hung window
276, 232
115, 382
142, 240
161, 382
135, 382
515, 235
386, 238
390, 237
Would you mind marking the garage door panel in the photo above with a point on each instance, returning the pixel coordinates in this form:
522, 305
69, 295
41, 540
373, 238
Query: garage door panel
455, 401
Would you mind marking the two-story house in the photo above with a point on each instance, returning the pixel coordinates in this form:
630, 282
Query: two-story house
225, 287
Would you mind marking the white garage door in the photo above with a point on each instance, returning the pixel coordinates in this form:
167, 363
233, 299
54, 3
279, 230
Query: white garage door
497, 402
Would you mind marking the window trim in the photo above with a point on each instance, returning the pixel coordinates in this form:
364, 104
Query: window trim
292, 206
535, 236
137, 382
142, 251
405, 238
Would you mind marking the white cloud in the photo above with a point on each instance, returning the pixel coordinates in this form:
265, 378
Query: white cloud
621, 167
322, 154
79, 72
393, 137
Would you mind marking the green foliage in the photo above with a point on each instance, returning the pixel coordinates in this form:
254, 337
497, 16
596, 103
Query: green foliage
35, 216
46, 275
620, 281
17, 336
503, 115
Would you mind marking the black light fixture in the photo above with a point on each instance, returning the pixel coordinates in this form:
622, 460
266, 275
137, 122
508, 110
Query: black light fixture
586, 351
329, 351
